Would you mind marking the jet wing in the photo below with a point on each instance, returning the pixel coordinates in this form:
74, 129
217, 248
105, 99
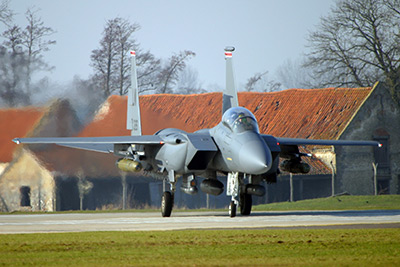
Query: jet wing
98, 144
298, 141
288, 147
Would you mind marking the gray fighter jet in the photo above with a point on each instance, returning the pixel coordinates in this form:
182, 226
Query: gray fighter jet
234, 148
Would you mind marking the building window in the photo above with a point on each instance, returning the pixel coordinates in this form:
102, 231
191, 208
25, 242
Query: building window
25, 196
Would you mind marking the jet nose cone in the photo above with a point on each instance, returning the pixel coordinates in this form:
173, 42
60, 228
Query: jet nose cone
255, 158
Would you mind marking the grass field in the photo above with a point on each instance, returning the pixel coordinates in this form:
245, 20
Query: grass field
329, 203
336, 203
350, 247
305, 247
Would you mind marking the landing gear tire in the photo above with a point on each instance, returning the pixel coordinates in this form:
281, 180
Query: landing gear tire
245, 204
232, 209
167, 202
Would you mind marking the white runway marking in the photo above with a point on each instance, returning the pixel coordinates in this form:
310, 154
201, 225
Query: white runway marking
80, 222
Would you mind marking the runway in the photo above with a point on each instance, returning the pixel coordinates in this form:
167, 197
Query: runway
142, 221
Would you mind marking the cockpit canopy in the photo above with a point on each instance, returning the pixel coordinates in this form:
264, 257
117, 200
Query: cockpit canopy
239, 119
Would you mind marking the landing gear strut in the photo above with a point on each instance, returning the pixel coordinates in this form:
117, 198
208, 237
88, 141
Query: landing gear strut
233, 191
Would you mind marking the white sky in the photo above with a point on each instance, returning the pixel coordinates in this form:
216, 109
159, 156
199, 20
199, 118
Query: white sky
264, 32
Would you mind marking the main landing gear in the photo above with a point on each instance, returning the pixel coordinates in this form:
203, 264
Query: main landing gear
167, 199
236, 188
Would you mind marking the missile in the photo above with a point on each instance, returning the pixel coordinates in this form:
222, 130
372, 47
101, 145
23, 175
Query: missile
295, 167
257, 190
128, 165
212, 187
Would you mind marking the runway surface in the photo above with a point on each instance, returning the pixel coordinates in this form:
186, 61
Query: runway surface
141, 221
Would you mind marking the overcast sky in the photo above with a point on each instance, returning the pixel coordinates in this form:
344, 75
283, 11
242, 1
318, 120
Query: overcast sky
265, 33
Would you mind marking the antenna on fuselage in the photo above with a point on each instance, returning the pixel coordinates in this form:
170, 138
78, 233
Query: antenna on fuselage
229, 98
133, 122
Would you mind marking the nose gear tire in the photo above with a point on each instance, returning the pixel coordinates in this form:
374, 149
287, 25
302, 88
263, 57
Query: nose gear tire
167, 202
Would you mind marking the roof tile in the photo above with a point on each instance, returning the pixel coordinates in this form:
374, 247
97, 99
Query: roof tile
16, 123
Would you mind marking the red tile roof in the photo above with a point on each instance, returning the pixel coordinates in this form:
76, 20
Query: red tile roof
16, 123
299, 113
306, 113
186, 112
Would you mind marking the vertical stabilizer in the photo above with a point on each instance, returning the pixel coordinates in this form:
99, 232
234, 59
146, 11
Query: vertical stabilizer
230, 98
133, 122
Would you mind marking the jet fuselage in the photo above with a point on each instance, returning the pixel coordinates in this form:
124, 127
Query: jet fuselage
240, 148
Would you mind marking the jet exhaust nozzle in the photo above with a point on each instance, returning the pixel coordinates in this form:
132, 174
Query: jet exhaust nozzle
257, 190
212, 187
295, 167
128, 165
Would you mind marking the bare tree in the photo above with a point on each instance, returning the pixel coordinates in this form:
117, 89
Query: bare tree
12, 75
21, 56
188, 82
112, 65
104, 58
124, 31
169, 75
148, 70
111, 61
13, 39
293, 74
260, 83
358, 44
5, 12
12, 71
34, 39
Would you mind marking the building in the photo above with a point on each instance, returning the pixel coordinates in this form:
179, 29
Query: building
89, 180
24, 182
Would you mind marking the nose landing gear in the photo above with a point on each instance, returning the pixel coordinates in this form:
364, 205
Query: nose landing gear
235, 188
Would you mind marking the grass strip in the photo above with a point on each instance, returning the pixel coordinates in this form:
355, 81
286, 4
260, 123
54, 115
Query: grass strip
330, 203
359, 247
336, 203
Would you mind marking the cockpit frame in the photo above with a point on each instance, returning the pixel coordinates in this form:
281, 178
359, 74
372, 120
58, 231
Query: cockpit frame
239, 119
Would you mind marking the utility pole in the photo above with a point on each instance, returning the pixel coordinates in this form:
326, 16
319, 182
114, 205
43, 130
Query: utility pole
375, 166
333, 179
124, 190
291, 186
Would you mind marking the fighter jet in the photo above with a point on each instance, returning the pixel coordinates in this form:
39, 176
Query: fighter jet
234, 148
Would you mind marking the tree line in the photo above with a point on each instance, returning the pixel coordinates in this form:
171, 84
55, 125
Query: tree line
22, 56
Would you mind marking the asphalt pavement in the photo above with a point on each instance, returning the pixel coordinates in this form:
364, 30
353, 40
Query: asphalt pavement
147, 221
